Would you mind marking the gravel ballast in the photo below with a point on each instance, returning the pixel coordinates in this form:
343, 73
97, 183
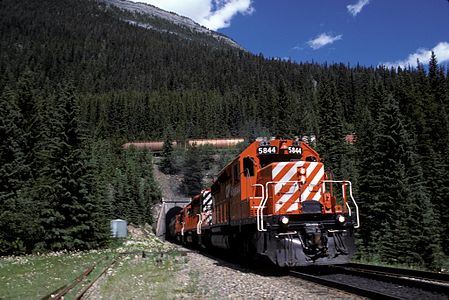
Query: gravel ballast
218, 279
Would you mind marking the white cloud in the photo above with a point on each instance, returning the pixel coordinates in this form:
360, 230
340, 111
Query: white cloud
423, 55
323, 40
355, 9
213, 14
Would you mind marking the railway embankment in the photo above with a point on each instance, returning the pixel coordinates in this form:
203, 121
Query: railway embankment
140, 267
143, 267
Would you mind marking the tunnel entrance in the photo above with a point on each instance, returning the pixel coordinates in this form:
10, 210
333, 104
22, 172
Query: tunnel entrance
168, 210
169, 234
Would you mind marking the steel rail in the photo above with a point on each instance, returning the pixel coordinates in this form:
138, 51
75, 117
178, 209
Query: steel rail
403, 278
442, 277
81, 294
343, 286
62, 291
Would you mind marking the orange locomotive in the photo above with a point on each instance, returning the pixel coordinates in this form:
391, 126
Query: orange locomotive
187, 226
276, 200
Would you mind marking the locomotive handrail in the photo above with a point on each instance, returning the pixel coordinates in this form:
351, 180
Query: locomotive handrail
351, 196
260, 226
198, 225
259, 216
260, 208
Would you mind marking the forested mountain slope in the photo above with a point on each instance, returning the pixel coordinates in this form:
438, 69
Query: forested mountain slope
135, 82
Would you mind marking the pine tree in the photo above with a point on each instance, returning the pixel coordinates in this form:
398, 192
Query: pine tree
149, 191
387, 176
13, 169
73, 218
167, 165
133, 190
14, 205
330, 138
437, 117
400, 202
192, 181
365, 133
22, 209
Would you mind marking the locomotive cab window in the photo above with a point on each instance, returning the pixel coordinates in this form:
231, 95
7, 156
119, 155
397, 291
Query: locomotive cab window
269, 159
248, 166
310, 158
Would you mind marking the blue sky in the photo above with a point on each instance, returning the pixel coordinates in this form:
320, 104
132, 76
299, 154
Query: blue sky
369, 32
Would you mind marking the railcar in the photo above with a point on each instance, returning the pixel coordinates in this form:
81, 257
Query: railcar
276, 200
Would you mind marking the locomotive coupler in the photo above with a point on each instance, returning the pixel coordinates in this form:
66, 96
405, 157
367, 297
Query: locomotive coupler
314, 239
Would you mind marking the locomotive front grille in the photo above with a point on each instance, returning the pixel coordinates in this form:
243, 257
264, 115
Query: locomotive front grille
311, 207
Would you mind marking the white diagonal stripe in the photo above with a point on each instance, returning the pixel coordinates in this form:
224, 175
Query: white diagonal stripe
309, 171
293, 207
207, 201
312, 181
278, 168
288, 176
286, 196
317, 196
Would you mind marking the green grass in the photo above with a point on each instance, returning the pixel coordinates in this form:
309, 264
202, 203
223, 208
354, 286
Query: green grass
133, 276
152, 277
34, 276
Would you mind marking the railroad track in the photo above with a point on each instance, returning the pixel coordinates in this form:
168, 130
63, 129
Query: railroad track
365, 280
83, 278
65, 289
379, 282
443, 278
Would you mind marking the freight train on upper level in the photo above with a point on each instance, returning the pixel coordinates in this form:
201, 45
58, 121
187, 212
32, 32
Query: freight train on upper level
274, 199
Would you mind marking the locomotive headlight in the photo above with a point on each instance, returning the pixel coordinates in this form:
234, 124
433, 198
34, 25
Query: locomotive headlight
341, 219
284, 220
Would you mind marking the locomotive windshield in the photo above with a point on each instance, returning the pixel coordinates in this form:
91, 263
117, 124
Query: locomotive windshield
265, 160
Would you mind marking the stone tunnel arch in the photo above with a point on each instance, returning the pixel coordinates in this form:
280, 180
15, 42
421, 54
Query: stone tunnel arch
168, 209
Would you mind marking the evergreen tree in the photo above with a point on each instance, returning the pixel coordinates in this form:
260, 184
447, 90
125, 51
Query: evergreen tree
13, 168
365, 127
191, 184
399, 199
330, 138
72, 218
167, 165
388, 184
436, 208
424, 226
22, 210
149, 190
15, 215
133, 190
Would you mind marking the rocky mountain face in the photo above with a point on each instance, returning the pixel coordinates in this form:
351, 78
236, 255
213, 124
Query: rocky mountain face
153, 18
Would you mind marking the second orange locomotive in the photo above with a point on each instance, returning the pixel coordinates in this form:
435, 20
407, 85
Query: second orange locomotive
274, 199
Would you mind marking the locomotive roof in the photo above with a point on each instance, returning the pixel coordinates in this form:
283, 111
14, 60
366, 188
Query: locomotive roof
222, 175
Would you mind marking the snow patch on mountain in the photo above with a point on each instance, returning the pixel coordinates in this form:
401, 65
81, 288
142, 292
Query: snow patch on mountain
178, 20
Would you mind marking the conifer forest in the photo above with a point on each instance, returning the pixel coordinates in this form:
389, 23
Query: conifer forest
76, 82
